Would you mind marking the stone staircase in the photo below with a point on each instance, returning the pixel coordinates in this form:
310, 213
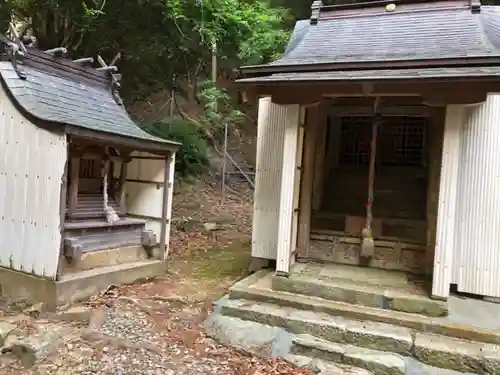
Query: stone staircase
350, 320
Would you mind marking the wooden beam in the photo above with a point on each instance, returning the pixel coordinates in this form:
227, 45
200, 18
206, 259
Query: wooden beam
62, 218
92, 155
305, 204
334, 124
319, 157
111, 178
340, 110
437, 100
122, 192
165, 209
152, 146
73, 185
440, 92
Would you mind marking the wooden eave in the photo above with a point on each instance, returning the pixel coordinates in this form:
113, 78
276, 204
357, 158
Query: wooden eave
263, 70
109, 139
438, 91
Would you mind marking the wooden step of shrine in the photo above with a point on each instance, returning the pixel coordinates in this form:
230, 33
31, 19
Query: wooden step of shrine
91, 206
84, 236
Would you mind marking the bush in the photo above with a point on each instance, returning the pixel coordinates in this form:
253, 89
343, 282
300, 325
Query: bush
193, 156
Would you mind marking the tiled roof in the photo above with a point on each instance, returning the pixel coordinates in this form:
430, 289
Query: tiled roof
372, 75
49, 96
431, 34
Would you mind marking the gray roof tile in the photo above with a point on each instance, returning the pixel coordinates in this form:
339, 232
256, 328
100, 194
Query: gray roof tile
431, 34
48, 96
368, 75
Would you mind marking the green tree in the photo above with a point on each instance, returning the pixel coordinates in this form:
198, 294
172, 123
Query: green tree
158, 38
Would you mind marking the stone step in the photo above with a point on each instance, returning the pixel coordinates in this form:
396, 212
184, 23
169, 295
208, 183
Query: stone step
367, 295
322, 367
378, 363
257, 287
434, 350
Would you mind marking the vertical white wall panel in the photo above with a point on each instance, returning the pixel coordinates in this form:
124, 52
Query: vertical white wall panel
144, 189
446, 220
269, 160
297, 185
477, 260
32, 163
170, 197
289, 181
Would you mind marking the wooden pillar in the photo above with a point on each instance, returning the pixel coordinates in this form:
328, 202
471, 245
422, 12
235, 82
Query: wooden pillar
332, 150
111, 178
62, 218
166, 212
297, 186
288, 182
73, 185
435, 131
305, 204
122, 192
319, 158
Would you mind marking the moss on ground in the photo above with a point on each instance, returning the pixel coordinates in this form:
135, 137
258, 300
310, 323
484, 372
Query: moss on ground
222, 262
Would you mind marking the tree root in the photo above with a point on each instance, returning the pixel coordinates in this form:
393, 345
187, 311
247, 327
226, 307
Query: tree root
119, 343
167, 299
138, 304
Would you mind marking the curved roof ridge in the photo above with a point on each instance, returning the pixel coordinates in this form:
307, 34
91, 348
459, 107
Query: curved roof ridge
300, 30
48, 95
490, 22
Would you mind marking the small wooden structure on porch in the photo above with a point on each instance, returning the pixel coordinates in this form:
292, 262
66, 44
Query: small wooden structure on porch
85, 194
427, 73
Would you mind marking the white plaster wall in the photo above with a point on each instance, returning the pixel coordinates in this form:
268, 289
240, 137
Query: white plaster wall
144, 190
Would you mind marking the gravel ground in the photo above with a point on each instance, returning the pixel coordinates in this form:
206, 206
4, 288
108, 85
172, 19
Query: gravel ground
128, 335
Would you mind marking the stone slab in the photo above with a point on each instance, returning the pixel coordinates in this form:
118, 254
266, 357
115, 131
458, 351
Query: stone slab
321, 367
445, 352
366, 295
257, 288
377, 362
371, 276
256, 338
336, 329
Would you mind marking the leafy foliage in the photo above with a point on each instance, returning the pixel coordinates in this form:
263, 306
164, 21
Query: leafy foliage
193, 156
158, 38
218, 109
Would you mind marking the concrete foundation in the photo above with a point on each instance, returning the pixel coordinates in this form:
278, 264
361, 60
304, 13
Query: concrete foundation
105, 258
75, 286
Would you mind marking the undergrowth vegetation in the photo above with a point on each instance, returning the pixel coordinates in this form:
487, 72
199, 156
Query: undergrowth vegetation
193, 156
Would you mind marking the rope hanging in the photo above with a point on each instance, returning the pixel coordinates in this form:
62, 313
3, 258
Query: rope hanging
367, 244
111, 215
